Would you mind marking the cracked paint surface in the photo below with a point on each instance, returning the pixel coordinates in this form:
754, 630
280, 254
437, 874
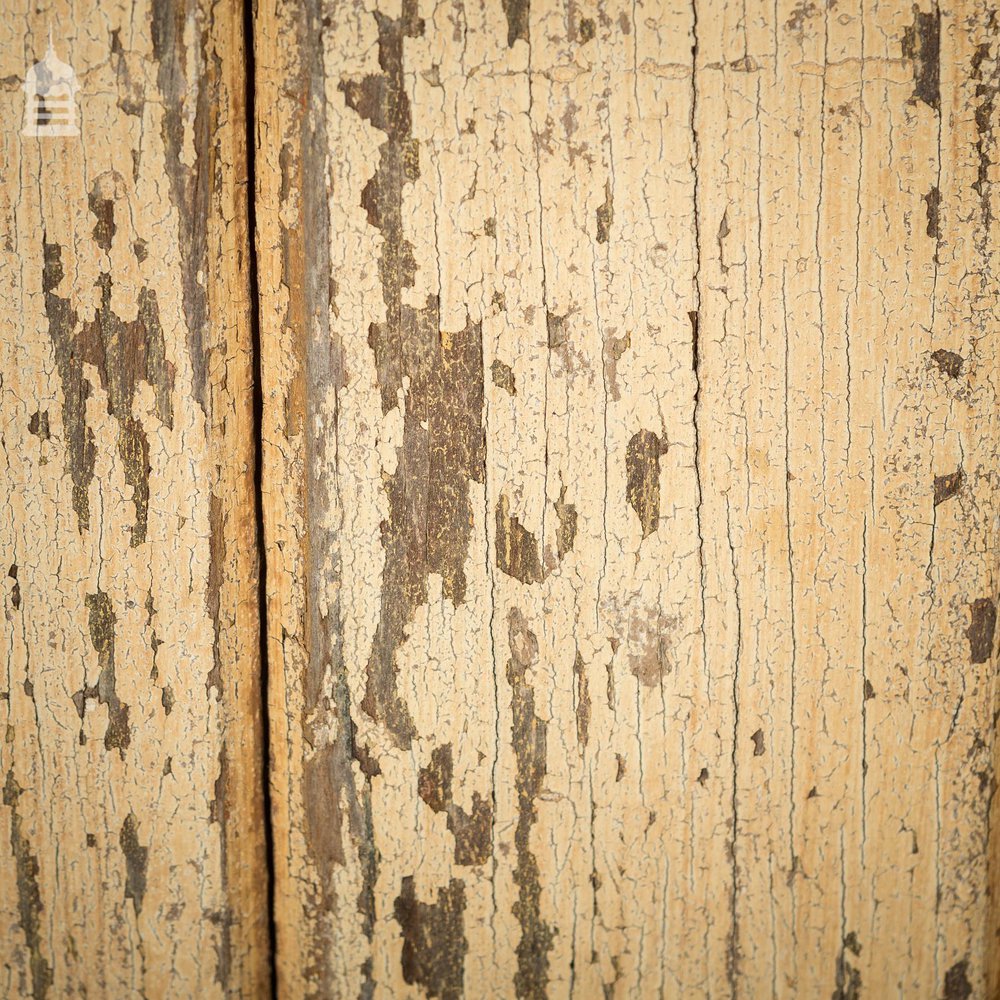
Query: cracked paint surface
630, 426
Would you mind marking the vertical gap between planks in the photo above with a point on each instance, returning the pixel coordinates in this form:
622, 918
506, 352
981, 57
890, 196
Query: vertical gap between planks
250, 115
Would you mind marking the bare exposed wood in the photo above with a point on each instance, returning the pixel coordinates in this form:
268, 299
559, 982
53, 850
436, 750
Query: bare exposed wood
131, 827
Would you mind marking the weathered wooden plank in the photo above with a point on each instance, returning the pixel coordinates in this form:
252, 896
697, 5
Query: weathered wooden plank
132, 858
630, 433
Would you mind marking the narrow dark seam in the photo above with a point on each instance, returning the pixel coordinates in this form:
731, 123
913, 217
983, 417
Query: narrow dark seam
257, 362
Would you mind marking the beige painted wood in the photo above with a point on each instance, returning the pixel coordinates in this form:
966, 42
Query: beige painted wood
630, 443
131, 838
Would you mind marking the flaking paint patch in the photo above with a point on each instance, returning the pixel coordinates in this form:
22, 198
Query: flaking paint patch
614, 351
131, 79
556, 329
650, 636
441, 453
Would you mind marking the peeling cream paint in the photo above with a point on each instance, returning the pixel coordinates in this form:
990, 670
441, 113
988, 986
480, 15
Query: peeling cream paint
132, 805
718, 666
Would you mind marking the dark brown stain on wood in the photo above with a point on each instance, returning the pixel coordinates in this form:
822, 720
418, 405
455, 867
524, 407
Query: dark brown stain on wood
758, 743
213, 589
327, 782
802, 12
102, 621
516, 547
582, 700
982, 625
956, 982
129, 76
948, 362
619, 767
337, 808
933, 201
188, 85
847, 977
528, 734
29, 897
136, 860
434, 943
382, 100
922, 45
472, 831
986, 73
430, 515
720, 240
566, 532
124, 353
102, 206
324, 822
38, 424
62, 319
224, 917
605, 215
614, 351
15, 588
642, 488
556, 329
517, 13
945, 487
503, 376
